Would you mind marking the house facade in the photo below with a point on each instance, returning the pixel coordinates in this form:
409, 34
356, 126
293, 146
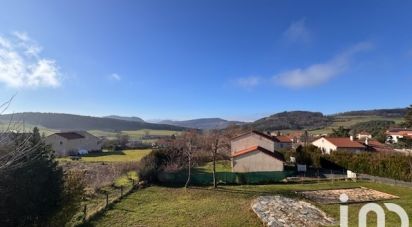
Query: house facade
283, 142
393, 135
255, 152
257, 159
330, 144
363, 135
66, 143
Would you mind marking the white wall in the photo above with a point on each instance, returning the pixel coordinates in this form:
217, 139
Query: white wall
256, 161
251, 140
326, 146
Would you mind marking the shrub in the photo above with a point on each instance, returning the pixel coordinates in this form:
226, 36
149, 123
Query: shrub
132, 175
151, 165
121, 182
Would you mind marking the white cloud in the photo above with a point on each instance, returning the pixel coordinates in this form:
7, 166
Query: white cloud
248, 82
114, 76
319, 73
22, 66
298, 31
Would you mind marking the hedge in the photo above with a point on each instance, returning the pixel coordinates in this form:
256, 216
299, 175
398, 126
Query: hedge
395, 166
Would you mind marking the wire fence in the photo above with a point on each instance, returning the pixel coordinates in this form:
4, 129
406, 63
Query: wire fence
100, 201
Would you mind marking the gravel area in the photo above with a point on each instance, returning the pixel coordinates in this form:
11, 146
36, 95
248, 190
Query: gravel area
277, 211
355, 195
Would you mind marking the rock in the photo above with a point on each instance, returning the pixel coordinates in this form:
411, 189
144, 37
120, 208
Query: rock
279, 211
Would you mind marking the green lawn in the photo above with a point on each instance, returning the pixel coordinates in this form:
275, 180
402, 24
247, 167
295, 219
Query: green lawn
227, 206
115, 156
221, 166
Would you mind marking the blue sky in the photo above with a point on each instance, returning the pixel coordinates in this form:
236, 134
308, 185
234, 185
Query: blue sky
190, 59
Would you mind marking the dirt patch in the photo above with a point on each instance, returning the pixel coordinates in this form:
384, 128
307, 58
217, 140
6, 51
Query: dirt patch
354, 195
276, 211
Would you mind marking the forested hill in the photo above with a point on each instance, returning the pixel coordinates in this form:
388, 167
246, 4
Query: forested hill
398, 112
203, 123
61, 121
292, 120
137, 119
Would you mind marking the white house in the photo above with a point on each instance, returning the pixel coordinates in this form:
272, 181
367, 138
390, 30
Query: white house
363, 135
394, 134
329, 144
75, 142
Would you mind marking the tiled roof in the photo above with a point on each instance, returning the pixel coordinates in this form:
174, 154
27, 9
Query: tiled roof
70, 135
344, 142
283, 139
400, 129
375, 145
274, 154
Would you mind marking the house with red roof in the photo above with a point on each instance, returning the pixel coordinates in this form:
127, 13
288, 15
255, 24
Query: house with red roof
330, 144
283, 142
255, 152
396, 133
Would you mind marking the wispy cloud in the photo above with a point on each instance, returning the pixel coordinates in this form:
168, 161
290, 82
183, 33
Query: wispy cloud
298, 31
319, 73
115, 76
248, 82
21, 63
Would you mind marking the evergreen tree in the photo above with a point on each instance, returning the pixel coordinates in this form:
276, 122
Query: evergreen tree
31, 189
340, 132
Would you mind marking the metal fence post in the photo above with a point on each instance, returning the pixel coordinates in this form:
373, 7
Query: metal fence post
107, 199
85, 212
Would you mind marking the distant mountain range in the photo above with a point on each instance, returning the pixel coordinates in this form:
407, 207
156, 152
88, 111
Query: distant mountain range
203, 123
136, 119
293, 120
61, 121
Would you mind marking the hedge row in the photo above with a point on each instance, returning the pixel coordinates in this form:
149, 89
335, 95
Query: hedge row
395, 166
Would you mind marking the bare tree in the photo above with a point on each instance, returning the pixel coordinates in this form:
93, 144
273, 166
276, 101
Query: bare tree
216, 142
190, 139
15, 145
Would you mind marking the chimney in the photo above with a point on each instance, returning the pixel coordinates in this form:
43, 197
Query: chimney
351, 138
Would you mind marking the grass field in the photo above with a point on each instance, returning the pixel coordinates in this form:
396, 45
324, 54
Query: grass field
136, 134
347, 121
115, 156
227, 206
221, 166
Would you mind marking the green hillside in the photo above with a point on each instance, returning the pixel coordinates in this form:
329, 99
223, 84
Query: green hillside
348, 121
